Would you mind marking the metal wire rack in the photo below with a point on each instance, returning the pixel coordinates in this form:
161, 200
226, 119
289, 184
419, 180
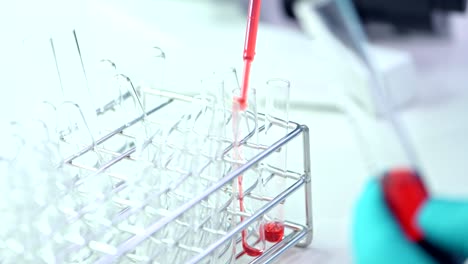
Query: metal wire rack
172, 222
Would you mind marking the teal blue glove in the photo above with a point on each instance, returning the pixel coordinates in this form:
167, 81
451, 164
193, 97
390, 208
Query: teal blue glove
377, 238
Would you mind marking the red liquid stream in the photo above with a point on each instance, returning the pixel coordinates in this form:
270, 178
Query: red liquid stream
251, 251
273, 231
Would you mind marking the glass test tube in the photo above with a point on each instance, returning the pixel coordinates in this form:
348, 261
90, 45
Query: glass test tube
215, 88
154, 71
176, 175
276, 127
155, 65
104, 86
75, 133
29, 197
144, 189
131, 102
245, 122
195, 143
211, 153
108, 96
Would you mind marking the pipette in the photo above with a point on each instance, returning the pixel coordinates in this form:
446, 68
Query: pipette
404, 189
249, 48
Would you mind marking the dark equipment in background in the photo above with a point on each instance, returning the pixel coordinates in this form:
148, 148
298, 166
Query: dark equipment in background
403, 15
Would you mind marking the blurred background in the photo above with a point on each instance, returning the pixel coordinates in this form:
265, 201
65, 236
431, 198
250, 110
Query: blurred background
418, 48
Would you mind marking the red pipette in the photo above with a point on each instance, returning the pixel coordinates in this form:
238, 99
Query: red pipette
249, 48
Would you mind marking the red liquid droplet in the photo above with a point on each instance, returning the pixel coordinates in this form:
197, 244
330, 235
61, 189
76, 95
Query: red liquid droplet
274, 232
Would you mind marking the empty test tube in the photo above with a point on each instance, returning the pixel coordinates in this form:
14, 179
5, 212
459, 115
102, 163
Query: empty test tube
215, 89
108, 96
72, 129
154, 64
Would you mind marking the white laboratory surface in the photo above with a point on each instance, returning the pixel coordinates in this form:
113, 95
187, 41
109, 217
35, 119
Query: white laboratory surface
435, 113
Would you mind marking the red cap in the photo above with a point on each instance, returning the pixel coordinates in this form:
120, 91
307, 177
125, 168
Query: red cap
405, 194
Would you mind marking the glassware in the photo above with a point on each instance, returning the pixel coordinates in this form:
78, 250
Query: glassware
46, 112
215, 88
107, 93
119, 101
134, 108
276, 126
154, 68
30, 195
169, 176
72, 129
194, 127
245, 125
140, 199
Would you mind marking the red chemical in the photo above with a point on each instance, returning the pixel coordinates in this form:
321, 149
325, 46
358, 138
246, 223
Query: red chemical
236, 116
251, 251
274, 232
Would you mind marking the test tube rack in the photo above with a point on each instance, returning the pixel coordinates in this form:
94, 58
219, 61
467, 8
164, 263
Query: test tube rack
227, 236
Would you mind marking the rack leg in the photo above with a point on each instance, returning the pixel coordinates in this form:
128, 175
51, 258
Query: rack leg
307, 188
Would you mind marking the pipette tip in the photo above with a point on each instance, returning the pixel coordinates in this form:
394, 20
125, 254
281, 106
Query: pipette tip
242, 103
242, 99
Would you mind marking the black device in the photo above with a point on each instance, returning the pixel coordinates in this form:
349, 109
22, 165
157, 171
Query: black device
404, 15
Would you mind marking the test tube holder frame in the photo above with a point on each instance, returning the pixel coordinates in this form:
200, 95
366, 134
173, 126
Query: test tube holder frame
299, 235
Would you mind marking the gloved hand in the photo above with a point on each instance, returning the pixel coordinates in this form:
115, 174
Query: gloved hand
377, 237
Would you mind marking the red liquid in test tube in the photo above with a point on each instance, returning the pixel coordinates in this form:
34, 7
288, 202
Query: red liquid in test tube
248, 249
277, 106
274, 232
